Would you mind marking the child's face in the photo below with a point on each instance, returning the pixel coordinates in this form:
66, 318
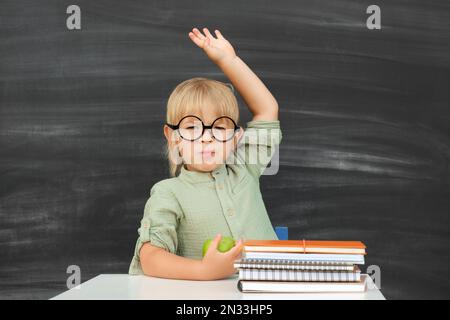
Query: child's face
206, 153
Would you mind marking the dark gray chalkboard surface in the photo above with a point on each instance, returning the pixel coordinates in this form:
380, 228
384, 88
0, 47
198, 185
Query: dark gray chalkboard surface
365, 117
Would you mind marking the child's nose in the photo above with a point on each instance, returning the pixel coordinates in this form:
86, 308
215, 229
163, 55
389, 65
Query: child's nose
207, 135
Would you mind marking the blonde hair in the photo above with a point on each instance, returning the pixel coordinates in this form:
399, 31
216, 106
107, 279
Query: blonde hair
194, 95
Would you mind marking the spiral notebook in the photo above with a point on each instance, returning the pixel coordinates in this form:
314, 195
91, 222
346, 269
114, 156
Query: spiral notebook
301, 287
318, 258
299, 275
276, 264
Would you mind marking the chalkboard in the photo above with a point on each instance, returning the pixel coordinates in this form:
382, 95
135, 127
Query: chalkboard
364, 113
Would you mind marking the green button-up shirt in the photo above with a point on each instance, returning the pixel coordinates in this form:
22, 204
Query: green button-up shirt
182, 212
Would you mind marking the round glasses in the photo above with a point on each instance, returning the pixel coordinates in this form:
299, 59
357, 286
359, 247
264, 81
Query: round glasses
192, 128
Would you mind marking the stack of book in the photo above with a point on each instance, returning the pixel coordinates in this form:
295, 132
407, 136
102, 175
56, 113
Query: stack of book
301, 266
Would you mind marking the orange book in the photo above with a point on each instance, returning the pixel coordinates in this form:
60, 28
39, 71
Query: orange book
305, 246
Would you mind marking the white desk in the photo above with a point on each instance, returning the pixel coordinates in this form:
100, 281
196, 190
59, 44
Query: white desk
125, 287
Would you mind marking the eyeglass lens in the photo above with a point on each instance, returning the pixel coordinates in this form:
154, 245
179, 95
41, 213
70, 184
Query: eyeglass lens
191, 128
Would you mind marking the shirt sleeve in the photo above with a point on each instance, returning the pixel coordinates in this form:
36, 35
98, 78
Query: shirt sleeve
258, 144
159, 224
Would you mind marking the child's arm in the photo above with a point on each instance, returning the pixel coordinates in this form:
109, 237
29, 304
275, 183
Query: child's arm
156, 248
260, 101
215, 265
158, 262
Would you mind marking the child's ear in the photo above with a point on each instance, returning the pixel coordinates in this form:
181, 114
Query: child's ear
167, 132
238, 137
239, 134
170, 136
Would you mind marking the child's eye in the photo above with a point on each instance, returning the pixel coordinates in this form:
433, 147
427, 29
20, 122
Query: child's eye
191, 127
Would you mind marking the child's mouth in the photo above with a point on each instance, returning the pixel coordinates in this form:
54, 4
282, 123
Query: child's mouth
208, 154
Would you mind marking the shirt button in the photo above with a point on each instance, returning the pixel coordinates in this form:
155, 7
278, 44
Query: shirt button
220, 186
230, 211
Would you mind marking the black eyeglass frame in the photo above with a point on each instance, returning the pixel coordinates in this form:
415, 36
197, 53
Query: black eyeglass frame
177, 127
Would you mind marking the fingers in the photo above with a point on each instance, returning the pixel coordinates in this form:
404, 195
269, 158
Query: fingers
208, 34
198, 34
219, 35
237, 249
196, 40
215, 243
197, 37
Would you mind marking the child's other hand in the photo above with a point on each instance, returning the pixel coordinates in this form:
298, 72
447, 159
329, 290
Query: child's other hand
218, 49
217, 265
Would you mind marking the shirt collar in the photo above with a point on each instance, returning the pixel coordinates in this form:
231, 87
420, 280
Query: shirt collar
197, 176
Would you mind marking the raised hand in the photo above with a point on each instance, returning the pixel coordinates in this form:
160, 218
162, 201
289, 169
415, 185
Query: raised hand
218, 49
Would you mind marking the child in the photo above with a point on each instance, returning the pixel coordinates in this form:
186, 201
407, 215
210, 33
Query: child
209, 195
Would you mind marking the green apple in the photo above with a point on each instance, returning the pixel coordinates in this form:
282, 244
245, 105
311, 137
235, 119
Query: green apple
225, 244
206, 246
